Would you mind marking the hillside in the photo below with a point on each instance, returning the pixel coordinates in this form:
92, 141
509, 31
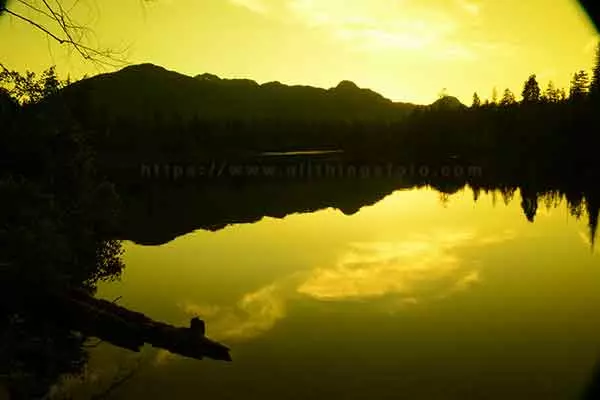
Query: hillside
142, 93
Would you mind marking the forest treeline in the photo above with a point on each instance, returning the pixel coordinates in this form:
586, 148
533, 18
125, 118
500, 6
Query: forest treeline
143, 113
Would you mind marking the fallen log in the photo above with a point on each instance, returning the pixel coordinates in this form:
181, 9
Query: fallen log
116, 324
112, 323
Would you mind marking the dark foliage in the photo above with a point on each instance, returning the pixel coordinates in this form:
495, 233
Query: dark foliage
55, 217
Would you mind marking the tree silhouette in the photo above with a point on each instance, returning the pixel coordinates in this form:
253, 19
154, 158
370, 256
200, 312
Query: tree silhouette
562, 94
29, 88
476, 100
579, 85
531, 90
508, 98
551, 94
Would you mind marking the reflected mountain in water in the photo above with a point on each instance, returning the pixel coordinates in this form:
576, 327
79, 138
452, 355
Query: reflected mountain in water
157, 209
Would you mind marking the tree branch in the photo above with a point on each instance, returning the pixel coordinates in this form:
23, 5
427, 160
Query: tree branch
35, 24
34, 8
71, 33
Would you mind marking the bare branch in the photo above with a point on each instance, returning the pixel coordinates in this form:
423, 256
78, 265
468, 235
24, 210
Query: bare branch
70, 33
60, 19
32, 22
34, 8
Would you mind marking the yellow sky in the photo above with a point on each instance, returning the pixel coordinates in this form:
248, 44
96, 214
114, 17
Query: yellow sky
407, 50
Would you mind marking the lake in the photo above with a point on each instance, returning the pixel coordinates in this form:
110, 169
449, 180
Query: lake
417, 296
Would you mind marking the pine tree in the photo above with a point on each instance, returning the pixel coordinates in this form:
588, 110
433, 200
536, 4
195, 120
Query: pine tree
508, 98
552, 94
531, 90
562, 95
476, 100
579, 85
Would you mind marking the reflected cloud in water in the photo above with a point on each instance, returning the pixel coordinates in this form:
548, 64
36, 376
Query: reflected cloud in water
410, 272
406, 269
254, 314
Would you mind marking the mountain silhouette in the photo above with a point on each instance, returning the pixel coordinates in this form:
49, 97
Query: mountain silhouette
139, 93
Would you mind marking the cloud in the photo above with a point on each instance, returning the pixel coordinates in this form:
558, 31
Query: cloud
408, 269
426, 27
272, 8
500, 237
408, 273
254, 314
256, 6
470, 7
376, 26
465, 282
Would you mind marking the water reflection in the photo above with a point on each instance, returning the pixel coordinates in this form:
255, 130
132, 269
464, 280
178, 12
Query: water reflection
254, 314
405, 269
408, 273
424, 276
157, 211
383, 299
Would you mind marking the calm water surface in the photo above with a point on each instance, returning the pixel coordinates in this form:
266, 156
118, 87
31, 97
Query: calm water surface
409, 298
